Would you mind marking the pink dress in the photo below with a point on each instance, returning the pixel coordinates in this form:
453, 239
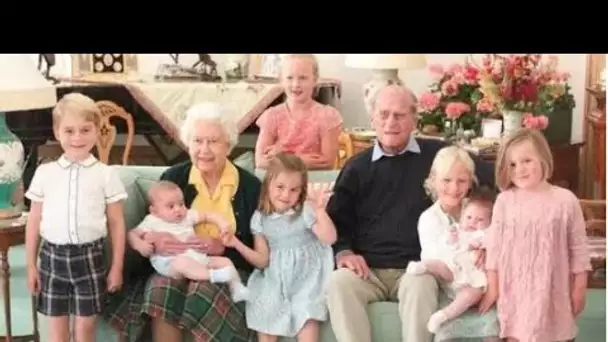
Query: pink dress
301, 136
536, 242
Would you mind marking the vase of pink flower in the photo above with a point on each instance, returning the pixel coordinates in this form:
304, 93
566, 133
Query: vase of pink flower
453, 101
529, 91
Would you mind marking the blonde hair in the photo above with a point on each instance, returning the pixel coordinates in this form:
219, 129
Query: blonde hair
213, 113
444, 160
502, 172
283, 162
309, 57
159, 187
77, 104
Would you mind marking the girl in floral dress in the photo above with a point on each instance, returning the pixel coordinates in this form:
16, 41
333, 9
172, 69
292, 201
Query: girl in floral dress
537, 255
292, 254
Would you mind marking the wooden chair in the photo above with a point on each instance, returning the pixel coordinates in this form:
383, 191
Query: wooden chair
346, 150
595, 217
107, 131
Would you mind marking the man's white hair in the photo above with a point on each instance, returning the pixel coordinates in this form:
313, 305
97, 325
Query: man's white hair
373, 96
210, 112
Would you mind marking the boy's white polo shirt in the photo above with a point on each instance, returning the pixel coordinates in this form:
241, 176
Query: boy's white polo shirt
74, 198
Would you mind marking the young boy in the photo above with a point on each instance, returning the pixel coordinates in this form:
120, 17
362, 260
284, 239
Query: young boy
75, 201
170, 219
460, 252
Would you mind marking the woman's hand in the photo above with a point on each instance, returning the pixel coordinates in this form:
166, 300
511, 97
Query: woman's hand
209, 246
144, 247
170, 247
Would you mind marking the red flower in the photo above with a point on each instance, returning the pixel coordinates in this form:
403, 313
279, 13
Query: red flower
470, 73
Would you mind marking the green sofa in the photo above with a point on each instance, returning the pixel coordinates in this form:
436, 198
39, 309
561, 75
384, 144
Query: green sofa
137, 179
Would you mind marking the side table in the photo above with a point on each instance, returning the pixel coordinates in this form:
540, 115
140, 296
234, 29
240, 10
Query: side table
12, 233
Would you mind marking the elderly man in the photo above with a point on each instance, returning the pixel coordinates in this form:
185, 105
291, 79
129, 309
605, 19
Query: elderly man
378, 198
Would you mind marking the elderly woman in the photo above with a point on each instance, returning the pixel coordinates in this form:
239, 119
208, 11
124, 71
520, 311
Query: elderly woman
210, 182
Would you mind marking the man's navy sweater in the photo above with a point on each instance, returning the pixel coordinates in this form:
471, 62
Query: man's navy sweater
376, 205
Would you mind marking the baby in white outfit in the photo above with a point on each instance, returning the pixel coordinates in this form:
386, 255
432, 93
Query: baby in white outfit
169, 218
458, 257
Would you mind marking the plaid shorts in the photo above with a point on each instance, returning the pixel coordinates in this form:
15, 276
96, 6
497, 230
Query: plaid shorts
72, 279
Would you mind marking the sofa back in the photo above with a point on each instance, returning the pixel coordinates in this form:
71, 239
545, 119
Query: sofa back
138, 179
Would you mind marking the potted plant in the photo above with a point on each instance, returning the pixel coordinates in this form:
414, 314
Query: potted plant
528, 90
453, 101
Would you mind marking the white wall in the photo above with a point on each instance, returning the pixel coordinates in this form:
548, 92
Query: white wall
351, 106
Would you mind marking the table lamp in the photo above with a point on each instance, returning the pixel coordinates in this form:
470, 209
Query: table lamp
385, 68
22, 87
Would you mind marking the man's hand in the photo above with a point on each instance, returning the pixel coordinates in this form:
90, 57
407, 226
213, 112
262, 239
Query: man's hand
354, 262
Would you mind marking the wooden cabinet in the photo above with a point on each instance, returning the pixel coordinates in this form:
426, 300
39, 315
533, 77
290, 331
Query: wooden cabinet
595, 154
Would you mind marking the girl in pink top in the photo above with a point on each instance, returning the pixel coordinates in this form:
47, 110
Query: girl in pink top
300, 125
537, 255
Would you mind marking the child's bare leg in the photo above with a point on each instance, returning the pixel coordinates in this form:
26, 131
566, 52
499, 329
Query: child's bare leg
84, 329
465, 298
183, 266
267, 338
59, 328
436, 268
309, 332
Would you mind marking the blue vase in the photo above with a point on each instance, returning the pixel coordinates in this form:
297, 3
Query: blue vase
11, 166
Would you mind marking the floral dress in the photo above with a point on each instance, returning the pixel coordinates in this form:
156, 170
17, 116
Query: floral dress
291, 290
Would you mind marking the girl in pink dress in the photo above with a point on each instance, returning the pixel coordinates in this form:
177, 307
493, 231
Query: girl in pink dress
537, 255
300, 125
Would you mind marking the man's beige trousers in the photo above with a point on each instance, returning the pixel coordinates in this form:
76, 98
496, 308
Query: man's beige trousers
349, 295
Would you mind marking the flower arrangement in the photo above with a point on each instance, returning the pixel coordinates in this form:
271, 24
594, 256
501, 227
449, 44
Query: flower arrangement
525, 84
454, 96
466, 93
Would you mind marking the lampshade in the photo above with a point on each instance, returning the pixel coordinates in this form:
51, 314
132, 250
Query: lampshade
22, 86
386, 61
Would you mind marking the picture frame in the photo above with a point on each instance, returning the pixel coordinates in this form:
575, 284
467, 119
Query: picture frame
103, 63
264, 66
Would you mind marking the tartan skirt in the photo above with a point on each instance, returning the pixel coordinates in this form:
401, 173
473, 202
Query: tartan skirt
72, 279
201, 309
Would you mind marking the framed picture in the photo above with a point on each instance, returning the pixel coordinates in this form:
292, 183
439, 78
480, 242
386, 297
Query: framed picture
264, 66
103, 63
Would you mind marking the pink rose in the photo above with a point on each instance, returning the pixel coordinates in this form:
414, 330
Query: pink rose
485, 105
455, 69
530, 121
459, 79
449, 88
429, 101
454, 110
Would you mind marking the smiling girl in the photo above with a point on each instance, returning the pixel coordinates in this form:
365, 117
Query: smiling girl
537, 257
300, 125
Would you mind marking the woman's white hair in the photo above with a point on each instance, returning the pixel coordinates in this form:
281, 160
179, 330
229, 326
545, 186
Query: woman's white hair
210, 112
443, 163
